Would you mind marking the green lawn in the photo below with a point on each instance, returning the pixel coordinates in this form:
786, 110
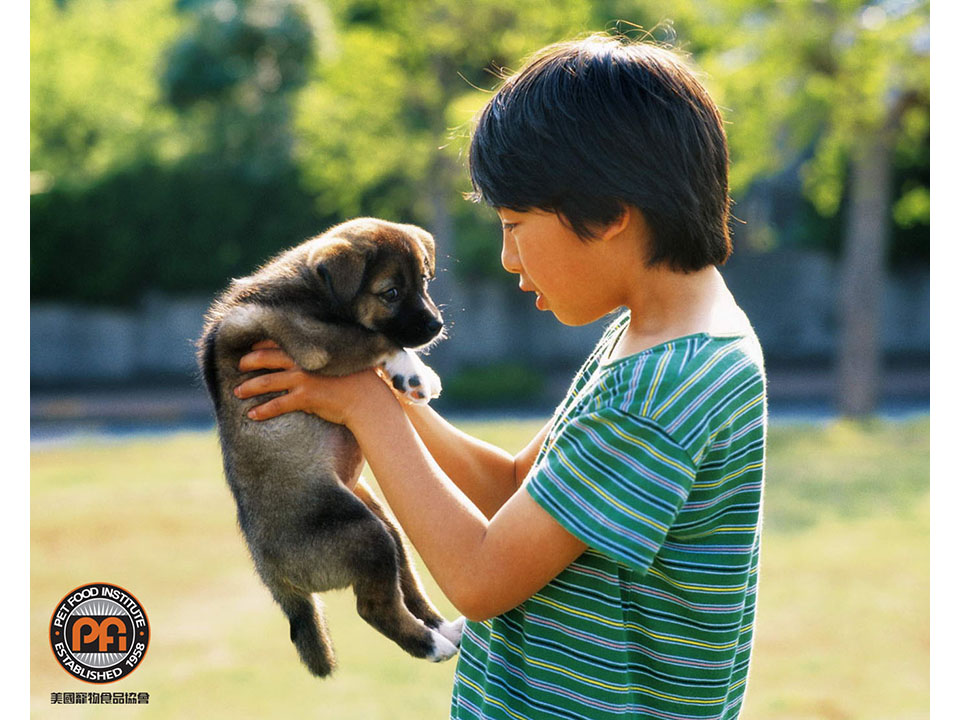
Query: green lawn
842, 632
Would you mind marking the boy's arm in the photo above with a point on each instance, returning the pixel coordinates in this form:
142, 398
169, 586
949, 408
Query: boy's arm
486, 474
484, 566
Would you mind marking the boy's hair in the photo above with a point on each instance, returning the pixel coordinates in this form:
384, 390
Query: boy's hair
588, 126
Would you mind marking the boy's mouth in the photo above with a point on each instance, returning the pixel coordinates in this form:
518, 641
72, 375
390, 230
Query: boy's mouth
541, 303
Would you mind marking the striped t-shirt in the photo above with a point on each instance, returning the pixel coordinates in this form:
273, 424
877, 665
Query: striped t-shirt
656, 462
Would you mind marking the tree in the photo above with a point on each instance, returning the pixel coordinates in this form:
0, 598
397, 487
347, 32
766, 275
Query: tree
847, 82
236, 70
381, 129
94, 105
131, 192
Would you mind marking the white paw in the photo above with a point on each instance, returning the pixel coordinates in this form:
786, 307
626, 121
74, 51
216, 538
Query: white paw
452, 630
443, 649
412, 377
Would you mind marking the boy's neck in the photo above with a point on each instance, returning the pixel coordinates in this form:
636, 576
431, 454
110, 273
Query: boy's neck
666, 304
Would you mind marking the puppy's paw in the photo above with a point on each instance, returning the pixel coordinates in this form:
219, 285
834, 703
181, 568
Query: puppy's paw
443, 649
417, 382
312, 359
452, 630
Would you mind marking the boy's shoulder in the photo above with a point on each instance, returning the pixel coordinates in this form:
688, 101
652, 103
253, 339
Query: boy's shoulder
683, 382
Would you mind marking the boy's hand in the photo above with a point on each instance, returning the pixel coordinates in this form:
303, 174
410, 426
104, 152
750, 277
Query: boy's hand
335, 399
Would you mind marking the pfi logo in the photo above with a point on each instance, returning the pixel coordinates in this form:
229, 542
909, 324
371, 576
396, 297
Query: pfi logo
99, 632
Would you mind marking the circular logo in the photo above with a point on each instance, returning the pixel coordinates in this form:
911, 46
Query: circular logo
99, 633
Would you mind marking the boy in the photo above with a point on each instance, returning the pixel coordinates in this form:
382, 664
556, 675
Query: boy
609, 569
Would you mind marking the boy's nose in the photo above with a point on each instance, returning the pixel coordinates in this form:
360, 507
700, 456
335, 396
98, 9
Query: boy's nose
508, 256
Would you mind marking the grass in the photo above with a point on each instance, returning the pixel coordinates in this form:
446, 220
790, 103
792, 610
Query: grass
842, 633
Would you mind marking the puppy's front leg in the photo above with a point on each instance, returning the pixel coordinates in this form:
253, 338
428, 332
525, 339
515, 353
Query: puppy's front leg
412, 377
317, 346
246, 324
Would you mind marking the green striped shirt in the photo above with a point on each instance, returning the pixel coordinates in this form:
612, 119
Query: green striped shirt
655, 461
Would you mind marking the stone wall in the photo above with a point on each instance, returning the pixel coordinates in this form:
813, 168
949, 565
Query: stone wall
790, 296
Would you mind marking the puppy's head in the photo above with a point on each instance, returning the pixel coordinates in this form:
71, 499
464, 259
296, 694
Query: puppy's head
374, 273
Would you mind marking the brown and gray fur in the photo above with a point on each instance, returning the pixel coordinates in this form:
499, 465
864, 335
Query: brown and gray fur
329, 303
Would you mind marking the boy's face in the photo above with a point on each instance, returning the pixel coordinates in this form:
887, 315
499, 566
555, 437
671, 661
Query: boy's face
575, 279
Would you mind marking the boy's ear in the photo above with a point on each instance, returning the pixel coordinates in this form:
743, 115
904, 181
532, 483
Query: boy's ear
619, 224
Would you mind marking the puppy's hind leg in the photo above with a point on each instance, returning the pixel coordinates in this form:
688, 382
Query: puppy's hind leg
308, 631
380, 600
414, 597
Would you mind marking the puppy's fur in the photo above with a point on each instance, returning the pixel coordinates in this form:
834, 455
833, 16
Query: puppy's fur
349, 299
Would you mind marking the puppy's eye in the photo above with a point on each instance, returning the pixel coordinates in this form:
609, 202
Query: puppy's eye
391, 295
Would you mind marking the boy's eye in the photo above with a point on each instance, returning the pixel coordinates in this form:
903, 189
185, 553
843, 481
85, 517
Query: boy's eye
508, 226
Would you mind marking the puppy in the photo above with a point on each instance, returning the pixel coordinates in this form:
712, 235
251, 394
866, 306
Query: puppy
349, 299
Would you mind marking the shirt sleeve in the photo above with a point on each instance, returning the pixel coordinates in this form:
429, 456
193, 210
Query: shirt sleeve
616, 481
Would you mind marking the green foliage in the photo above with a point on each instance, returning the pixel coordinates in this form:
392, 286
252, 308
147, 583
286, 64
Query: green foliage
364, 107
814, 82
211, 192
913, 207
382, 128
494, 385
244, 51
476, 243
187, 228
233, 73
95, 106
361, 143
821, 75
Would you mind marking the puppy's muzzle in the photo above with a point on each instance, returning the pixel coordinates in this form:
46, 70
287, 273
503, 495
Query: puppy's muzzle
429, 327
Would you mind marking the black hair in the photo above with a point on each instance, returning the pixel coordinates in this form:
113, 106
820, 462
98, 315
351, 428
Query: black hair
589, 126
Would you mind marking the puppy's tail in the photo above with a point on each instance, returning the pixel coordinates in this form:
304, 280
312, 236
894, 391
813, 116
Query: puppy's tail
308, 632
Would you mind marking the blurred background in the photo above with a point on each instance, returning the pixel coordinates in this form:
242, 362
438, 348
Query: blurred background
178, 143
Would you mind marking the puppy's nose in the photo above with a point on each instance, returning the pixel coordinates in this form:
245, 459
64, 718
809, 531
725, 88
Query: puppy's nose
434, 325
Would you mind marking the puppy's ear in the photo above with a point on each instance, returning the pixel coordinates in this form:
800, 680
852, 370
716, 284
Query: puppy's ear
339, 266
425, 240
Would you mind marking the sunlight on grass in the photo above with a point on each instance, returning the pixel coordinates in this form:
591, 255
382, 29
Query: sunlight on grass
842, 630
